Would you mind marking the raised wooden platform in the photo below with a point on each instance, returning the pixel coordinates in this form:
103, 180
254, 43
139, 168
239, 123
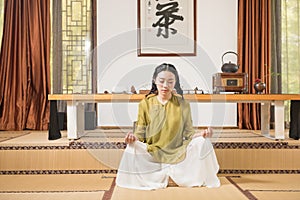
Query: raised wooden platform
99, 152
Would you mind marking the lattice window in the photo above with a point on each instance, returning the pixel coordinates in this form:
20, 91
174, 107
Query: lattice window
72, 69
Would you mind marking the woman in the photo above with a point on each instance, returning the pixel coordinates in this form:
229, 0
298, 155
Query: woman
164, 143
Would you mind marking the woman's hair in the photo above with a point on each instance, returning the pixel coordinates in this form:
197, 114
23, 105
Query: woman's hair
165, 67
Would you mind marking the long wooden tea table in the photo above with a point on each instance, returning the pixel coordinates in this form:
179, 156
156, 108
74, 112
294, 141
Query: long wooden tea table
75, 107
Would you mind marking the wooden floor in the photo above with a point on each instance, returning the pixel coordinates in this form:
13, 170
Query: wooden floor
32, 167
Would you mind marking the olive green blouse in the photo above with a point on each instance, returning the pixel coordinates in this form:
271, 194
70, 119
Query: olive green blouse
166, 129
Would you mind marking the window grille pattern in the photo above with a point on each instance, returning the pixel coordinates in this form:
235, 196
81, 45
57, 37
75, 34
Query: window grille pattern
72, 46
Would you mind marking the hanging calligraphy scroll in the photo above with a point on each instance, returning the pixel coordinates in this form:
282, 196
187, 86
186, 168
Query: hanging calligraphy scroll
167, 28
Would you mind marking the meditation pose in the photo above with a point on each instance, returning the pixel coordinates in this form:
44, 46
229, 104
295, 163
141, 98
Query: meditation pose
164, 144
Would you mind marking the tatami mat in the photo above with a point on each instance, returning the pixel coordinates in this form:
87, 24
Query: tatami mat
8, 135
270, 186
54, 183
35, 138
226, 191
276, 195
53, 196
96, 186
267, 182
263, 187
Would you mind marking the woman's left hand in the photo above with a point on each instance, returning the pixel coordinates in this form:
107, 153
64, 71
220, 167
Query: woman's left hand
130, 138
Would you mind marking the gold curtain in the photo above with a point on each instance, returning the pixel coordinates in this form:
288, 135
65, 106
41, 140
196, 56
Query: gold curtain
254, 50
25, 66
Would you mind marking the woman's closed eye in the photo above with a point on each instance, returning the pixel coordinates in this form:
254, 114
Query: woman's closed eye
168, 82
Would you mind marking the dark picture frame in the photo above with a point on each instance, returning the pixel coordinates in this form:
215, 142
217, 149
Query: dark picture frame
167, 27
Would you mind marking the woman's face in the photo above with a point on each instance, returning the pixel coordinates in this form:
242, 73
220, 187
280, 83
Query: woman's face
165, 82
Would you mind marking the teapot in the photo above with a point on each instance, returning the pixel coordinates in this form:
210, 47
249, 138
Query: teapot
229, 67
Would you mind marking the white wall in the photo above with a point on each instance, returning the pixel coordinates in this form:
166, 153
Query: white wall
119, 67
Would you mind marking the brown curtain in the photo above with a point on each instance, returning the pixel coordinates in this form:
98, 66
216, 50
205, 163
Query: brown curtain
25, 66
254, 49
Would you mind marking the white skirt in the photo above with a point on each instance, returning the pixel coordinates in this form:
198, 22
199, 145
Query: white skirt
138, 170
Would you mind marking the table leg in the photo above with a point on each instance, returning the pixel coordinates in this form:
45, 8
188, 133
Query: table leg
265, 119
54, 131
75, 119
279, 120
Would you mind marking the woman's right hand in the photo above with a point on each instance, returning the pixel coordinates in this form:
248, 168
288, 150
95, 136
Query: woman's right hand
207, 133
130, 138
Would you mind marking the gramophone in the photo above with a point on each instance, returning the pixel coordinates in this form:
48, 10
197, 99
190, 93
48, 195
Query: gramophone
229, 80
